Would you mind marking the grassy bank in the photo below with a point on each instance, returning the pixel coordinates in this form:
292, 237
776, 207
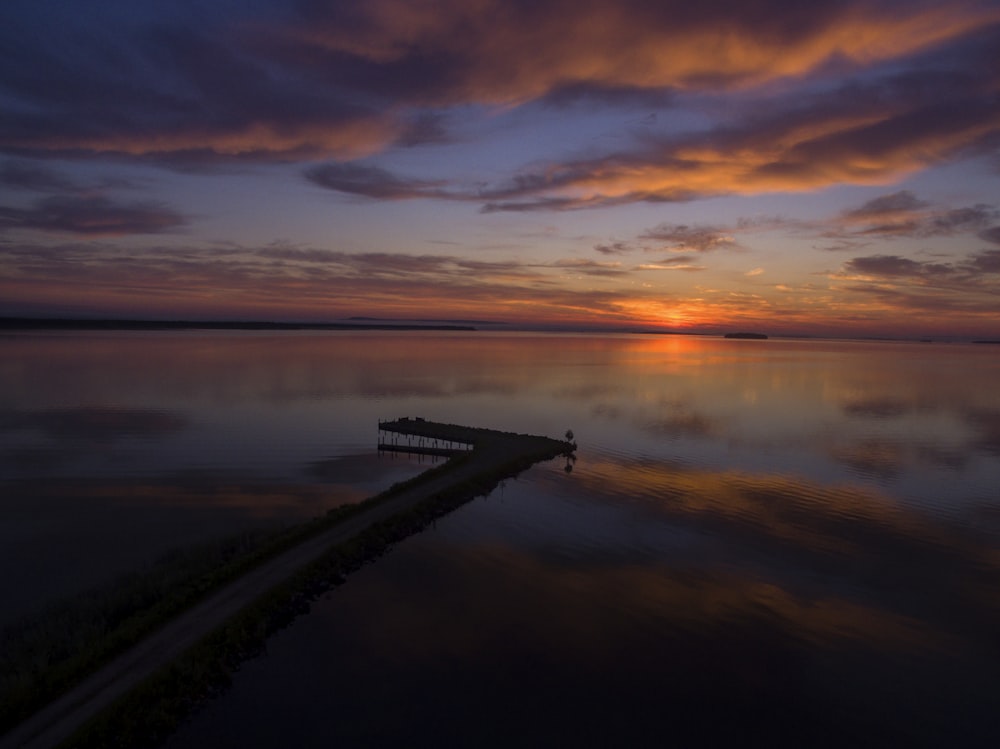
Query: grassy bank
149, 713
43, 656
42, 659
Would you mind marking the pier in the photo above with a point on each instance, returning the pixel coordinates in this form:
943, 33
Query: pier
143, 680
420, 437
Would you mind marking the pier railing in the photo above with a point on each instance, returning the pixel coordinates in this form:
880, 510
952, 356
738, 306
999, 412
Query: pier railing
418, 437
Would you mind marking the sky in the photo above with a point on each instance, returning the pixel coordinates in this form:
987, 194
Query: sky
827, 168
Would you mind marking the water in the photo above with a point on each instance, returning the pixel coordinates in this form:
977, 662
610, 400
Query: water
790, 542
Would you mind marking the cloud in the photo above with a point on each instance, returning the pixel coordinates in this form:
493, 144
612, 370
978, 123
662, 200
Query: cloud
991, 235
93, 215
922, 296
901, 214
684, 238
886, 265
600, 95
301, 282
895, 266
591, 267
887, 207
862, 130
25, 175
494, 51
344, 80
373, 182
613, 248
180, 90
987, 261
676, 262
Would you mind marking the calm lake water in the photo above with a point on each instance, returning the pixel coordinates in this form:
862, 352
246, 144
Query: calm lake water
784, 542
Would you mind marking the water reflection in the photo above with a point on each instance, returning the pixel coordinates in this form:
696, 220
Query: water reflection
796, 534
639, 603
811, 525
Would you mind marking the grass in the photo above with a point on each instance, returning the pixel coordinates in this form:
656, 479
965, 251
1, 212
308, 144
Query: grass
42, 658
149, 713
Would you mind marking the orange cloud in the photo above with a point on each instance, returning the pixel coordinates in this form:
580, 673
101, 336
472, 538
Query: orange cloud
872, 147
256, 140
504, 53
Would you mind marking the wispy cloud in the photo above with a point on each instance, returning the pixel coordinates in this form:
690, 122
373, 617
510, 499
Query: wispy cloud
19, 174
495, 51
685, 238
373, 182
349, 79
894, 266
96, 216
862, 134
304, 281
614, 248
902, 214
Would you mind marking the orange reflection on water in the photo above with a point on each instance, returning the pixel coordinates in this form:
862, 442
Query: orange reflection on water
916, 577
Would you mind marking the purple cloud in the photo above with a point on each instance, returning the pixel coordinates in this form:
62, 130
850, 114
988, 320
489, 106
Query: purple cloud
91, 216
681, 237
374, 182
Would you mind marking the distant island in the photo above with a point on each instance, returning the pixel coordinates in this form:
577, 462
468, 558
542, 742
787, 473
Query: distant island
751, 336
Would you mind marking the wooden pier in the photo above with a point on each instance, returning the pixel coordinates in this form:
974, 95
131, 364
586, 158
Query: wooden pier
421, 437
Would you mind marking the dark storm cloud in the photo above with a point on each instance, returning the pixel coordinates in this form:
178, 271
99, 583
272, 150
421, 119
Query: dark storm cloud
92, 216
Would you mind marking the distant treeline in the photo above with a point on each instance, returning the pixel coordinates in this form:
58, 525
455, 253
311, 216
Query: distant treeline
29, 323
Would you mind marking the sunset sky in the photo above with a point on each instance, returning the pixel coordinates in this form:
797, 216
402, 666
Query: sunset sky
827, 168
